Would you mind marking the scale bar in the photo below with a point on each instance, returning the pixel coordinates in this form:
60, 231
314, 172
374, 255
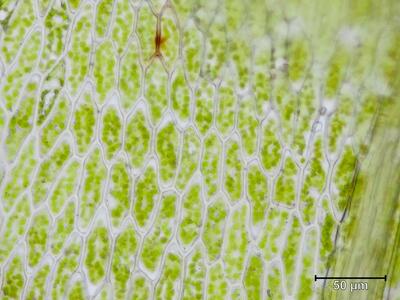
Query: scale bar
350, 277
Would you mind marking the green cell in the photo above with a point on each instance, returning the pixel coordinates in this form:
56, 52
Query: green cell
169, 284
146, 28
190, 225
76, 291
248, 125
285, 187
270, 152
204, 101
195, 272
257, 189
156, 90
305, 290
170, 34
123, 24
210, 164
167, 150
192, 41
253, 280
233, 171
141, 288
214, 228
103, 16
226, 108
217, 287
180, 94
63, 227
14, 279
111, 134
36, 289
274, 283
37, 237
104, 70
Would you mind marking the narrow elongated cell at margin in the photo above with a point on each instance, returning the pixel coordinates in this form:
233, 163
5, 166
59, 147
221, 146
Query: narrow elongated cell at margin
137, 138
104, 10
336, 68
192, 50
248, 124
20, 176
146, 194
210, 163
55, 125
111, 134
37, 287
119, 193
328, 226
123, 24
226, 108
285, 187
314, 182
79, 51
270, 152
290, 253
204, 104
14, 228
104, 70
23, 16
15, 79
253, 279
189, 158
123, 260
167, 150
13, 278
236, 243
160, 234
146, 30
22, 120
97, 253
343, 177
65, 186
84, 121
305, 290
170, 281
65, 268
37, 237
217, 287
49, 169
56, 33
91, 188
141, 288
233, 170
130, 75
62, 228
180, 94
170, 36
257, 190
195, 271
189, 228
213, 233
156, 90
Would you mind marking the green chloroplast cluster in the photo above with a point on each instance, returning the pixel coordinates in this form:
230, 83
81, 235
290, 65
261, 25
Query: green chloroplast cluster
199, 149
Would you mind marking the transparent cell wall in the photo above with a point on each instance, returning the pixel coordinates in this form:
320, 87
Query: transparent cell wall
199, 149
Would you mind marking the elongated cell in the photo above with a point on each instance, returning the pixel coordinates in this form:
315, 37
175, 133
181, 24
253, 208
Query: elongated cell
189, 227
103, 16
170, 38
19, 177
141, 288
76, 291
146, 28
285, 187
37, 237
84, 122
298, 58
111, 134
204, 106
37, 288
305, 290
226, 108
48, 171
217, 287
193, 282
167, 150
91, 189
261, 77
14, 279
160, 234
137, 138
14, 227
104, 70
123, 259
130, 75
180, 94
233, 171
55, 125
210, 163
270, 146
247, 125
65, 268
192, 50
253, 280
79, 51
97, 253
170, 282
236, 243
74, 4
336, 71
257, 189
63, 227
214, 228
146, 195
189, 158
290, 253
274, 283
240, 51
123, 24
119, 192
